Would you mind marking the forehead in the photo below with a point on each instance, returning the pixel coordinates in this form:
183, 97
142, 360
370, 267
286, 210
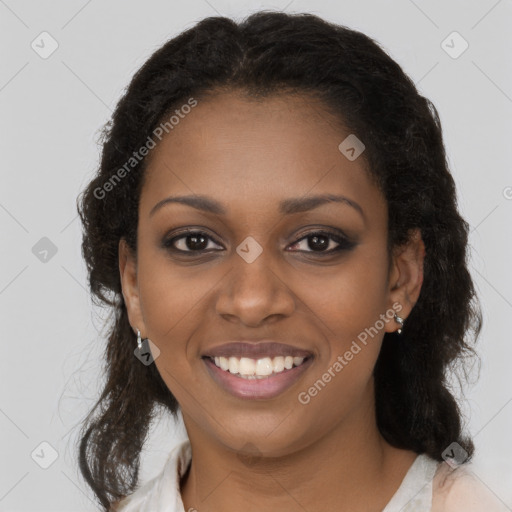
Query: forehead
248, 152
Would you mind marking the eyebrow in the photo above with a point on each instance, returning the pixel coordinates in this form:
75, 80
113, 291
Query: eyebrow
286, 207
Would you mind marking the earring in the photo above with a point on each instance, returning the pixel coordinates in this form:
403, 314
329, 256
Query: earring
400, 321
139, 341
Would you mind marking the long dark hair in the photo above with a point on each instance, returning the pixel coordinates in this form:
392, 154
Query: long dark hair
271, 52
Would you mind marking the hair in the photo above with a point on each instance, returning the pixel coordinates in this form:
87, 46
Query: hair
359, 83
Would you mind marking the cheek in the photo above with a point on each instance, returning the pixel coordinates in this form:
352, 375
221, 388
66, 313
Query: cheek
169, 295
351, 297
351, 307
342, 379
170, 303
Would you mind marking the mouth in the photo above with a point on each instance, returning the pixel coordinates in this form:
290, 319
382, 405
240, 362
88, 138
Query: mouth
258, 378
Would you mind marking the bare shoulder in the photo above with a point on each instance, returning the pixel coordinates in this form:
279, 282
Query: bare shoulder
461, 490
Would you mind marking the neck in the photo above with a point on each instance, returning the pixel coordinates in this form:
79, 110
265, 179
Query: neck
349, 468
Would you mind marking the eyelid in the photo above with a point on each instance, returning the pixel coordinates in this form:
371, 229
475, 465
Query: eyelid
335, 234
314, 230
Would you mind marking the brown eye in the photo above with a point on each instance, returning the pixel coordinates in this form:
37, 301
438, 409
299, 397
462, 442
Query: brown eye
324, 242
190, 241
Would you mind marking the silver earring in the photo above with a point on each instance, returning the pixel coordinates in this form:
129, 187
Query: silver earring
139, 341
400, 321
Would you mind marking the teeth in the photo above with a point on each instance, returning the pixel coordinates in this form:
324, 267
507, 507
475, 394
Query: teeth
233, 365
297, 361
264, 366
279, 364
248, 368
224, 363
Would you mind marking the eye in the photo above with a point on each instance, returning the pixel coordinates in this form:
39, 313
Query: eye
322, 242
189, 241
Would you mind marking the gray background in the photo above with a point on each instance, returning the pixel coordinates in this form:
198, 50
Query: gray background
51, 112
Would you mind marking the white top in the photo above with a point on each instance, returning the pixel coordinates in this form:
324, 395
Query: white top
428, 486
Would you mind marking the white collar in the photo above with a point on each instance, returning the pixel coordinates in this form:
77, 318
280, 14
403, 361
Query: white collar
415, 491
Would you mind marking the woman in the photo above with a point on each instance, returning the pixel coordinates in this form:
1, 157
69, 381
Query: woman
275, 226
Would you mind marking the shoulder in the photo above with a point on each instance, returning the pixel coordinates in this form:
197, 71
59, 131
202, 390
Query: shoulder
459, 489
163, 489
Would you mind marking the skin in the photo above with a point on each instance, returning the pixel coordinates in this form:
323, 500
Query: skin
274, 454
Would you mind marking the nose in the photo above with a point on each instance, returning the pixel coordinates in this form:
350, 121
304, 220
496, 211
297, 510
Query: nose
252, 293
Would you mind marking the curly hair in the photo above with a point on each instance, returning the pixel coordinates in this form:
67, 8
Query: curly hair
358, 82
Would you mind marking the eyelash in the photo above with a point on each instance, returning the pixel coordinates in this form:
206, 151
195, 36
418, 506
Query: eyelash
344, 243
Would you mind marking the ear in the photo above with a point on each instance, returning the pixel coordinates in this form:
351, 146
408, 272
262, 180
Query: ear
129, 284
406, 277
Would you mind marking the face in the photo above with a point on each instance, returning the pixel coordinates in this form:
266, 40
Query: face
259, 261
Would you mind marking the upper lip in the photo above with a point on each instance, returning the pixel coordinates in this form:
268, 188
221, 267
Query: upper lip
255, 350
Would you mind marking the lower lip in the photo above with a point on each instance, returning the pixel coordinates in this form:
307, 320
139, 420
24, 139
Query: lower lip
264, 388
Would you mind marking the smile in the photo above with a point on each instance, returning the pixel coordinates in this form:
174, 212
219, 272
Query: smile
257, 379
